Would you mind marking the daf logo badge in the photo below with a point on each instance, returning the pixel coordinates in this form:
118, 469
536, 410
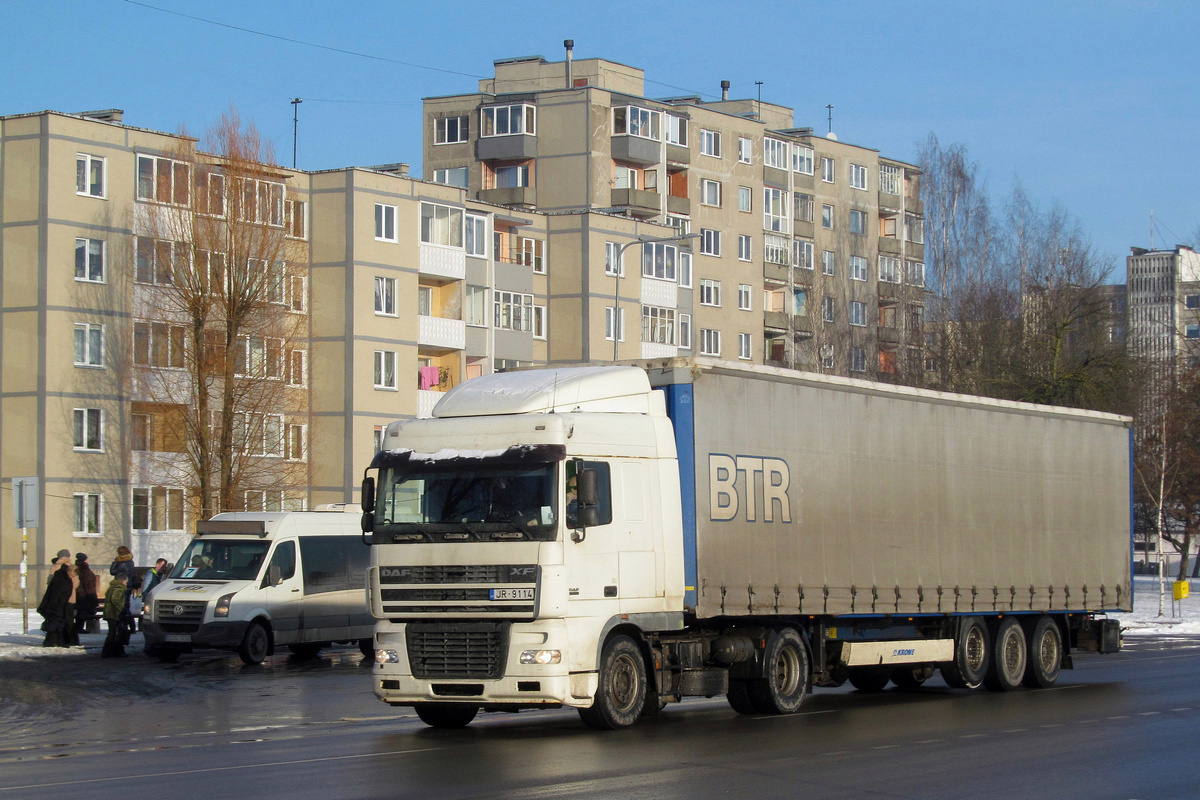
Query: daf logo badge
178, 610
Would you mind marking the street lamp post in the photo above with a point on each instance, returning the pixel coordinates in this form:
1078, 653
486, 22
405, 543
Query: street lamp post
620, 265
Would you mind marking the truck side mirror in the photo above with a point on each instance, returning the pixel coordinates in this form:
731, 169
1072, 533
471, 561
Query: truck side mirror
368, 505
589, 498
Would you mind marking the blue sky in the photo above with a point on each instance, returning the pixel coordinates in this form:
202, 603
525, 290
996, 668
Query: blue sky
1090, 105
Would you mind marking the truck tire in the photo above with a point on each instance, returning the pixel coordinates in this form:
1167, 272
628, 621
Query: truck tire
870, 679
912, 677
621, 694
786, 675
1045, 654
446, 715
1009, 657
255, 644
972, 652
367, 647
739, 697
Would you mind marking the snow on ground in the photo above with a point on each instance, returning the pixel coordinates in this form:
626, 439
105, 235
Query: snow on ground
1144, 621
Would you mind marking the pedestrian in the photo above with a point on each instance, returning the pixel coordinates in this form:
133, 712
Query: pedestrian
153, 577
70, 635
53, 607
114, 614
88, 598
123, 565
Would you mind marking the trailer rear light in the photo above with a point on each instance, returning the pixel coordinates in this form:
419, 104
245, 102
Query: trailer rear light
541, 656
387, 657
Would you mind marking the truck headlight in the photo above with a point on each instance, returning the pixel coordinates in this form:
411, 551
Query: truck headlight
541, 656
222, 607
387, 657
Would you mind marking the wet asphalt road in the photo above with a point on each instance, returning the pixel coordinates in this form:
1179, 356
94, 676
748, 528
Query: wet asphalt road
1125, 726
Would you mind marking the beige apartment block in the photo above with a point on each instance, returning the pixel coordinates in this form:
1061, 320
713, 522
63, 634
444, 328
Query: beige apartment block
807, 252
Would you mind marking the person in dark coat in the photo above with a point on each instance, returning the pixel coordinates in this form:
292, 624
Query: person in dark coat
87, 599
53, 607
114, 614
123, 565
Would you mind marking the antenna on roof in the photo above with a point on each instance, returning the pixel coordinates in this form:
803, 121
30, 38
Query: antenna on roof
829, 106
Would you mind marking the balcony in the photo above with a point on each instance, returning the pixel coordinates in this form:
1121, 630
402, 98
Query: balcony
890, 292
914, 205
636, 149
772, 176
441, 335
517, 145
655, 350
890, 204
639, 201
679, 205
776, 320
678, 154
887, 334
890, 245
510, 196
776, 272
445, 263
426, 400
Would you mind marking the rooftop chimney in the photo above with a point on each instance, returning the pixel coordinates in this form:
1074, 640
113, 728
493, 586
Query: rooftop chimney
724, 90
570, 45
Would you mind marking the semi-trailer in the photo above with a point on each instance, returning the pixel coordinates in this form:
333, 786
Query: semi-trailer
616, 538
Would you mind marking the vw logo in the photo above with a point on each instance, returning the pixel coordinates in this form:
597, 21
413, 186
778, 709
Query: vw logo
178, 611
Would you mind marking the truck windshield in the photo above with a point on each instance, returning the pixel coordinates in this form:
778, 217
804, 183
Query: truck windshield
218, 559
428, 502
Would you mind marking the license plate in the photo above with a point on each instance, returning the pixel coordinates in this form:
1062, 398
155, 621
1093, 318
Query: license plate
179, 637
512, 594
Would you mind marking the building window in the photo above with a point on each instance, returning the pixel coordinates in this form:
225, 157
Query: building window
826, 353
858, 221
744, 198
710, 242
710, 292
710, 193
685, 269
858, 359
858, 176
157, 344
296, 221
441, 225
614, 324
743, 296
775, 154
258, 357
532, 254
451, 176
658, 261
158, 508
1192, 332
890, 179
710, 342
297, 367
828, 262
775, 209
800, 302
915, 273
450, 130
476, 235
804, 207
539, 322
515, 176
385, 223
385, 297
858, 268
887, 227
858, 313
889, 269
743, 247
613, 260
658, 325
775, 249
259, 201
163, 180
827, 170
803, 254
154, 261
677, 130
827, 217
508, 120
385, 369
89, 423
827, 307
89, 175
914, 228
513, 311
89, 345
685, 331
710, 143
635, 121
744, 149
87, 514
475, 305
89, 260
1191, 301
802, 159
681, 224
744, 346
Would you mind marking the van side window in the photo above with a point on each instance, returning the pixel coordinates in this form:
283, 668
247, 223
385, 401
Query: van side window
325, 567
604, 481
284, 557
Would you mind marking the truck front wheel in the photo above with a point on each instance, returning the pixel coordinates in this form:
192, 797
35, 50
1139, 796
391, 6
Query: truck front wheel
972, 652
785, 675
446, 715
621, 693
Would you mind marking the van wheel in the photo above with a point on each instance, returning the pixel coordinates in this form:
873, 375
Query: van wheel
1009, 657
1045, 654
785, 678
305, 651
446, 715
255, 644
167, 655
367, 647
621, 694
972, 653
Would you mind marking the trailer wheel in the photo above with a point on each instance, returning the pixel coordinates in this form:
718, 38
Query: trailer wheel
972, 651
912, 677
785, 675
739, 697
1009, 657
1045, 654
446, 715
255, 644
870, 679
621, 694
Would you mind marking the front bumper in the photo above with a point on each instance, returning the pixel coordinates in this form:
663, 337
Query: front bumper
215, 635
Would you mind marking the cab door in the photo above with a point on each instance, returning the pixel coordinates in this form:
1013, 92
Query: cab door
283, 593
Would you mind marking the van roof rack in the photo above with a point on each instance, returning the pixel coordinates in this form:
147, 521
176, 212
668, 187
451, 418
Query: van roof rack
255, 527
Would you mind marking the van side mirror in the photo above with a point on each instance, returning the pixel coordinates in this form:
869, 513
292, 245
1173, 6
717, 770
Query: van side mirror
275, 575
368, 505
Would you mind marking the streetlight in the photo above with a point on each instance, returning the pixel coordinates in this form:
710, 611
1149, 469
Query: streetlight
620, 259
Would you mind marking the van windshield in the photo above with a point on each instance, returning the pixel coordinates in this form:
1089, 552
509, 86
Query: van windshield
221, 559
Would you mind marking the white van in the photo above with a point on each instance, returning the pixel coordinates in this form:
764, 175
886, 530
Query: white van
251, 581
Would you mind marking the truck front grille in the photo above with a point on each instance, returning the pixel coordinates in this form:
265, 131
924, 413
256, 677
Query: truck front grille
457, 650
459, 573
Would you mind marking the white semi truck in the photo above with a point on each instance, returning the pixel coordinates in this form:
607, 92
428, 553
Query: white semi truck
617, 538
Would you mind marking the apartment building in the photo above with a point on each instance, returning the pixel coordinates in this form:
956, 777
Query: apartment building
803, 251
1162, 288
